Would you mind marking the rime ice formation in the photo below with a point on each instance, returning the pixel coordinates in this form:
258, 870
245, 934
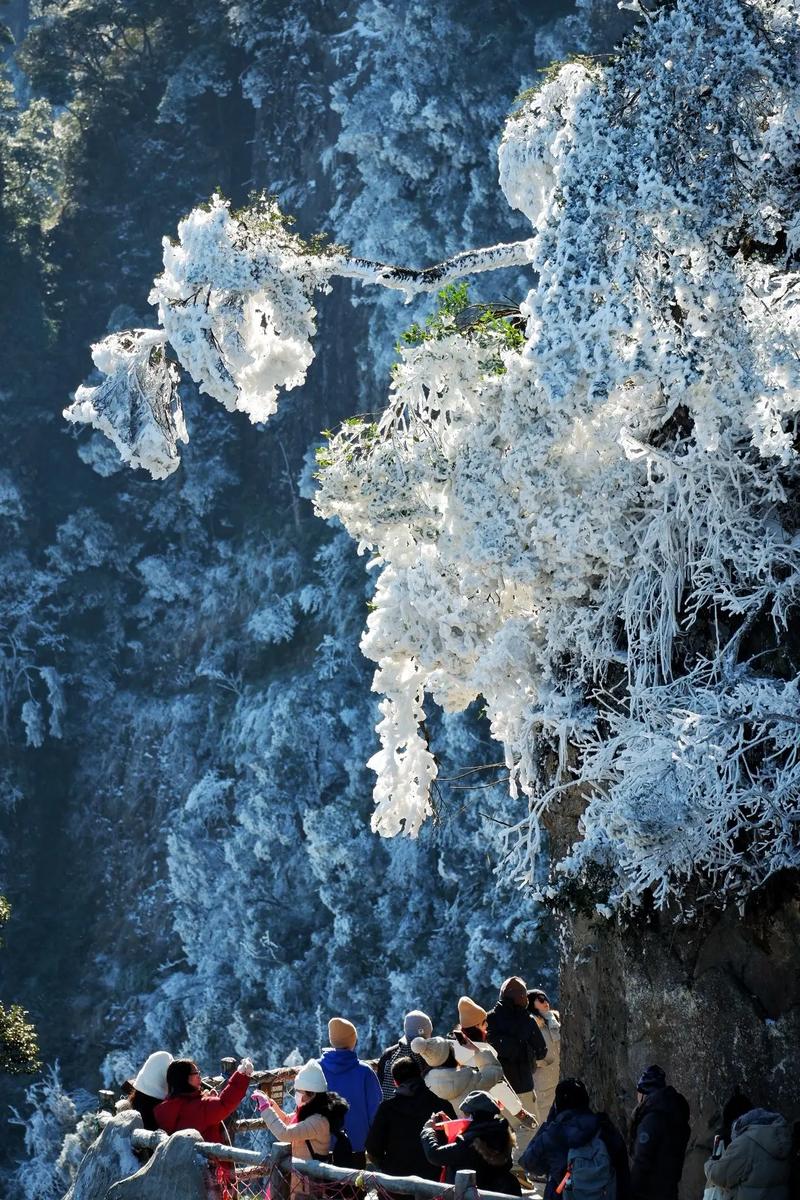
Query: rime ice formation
583, 529
587, 537
137, 405
233, 301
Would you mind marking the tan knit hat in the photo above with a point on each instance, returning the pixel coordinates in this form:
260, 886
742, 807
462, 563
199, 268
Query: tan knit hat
342, 1034
435, 1050
470, 1013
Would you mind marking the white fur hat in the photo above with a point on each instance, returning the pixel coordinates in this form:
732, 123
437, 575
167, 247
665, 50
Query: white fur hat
152, 1078
310, 1078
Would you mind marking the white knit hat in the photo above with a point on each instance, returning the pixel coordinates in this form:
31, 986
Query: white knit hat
435, 1050
152, 1078
310, 1078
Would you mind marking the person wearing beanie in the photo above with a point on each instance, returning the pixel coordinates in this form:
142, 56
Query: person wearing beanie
548, 1069
354, 1080
415, 1024
393, 1142
472, 1050
516, 1037
319, 1115
485, 1146
658, 1137
586, 1141
456, 1070
472, 1019
149, 1088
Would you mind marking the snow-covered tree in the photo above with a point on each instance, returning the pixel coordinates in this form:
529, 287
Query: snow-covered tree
591, 525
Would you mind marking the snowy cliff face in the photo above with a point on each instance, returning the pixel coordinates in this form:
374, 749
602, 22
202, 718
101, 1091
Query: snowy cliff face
189, 715
584, 524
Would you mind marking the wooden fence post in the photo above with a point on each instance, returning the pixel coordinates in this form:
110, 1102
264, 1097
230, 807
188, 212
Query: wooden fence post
228, 1065
465, 1186
107, 1100
280, 1175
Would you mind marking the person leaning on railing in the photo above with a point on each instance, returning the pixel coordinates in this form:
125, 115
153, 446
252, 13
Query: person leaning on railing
485, 1146
315, 1124
188, 1107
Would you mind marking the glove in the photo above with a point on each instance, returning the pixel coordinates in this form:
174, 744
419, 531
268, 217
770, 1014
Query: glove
245, 1067
260, 1100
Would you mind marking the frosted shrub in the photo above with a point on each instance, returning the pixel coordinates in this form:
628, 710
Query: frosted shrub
53, 1118
592, 526
233, 301
137, 405
586, 538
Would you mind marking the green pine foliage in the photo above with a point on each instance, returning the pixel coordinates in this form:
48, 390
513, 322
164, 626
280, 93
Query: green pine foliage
19, 1046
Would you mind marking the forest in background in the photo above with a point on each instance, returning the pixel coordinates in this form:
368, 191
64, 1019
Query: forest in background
186, 835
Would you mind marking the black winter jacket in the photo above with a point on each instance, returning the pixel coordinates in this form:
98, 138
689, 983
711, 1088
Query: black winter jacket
484, 1148
519, 1043
659, 1136
393, 1142
401, 1049
548, 1153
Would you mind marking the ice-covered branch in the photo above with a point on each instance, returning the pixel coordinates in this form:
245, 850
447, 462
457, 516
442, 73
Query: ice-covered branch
235, 304
429, 279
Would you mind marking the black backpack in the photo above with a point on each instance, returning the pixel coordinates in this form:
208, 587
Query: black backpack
341, 1153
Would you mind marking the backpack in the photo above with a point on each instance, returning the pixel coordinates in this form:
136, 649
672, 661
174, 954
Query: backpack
591, 1175
341, 1153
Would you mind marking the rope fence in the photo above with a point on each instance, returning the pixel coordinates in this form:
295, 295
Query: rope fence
276, 1175
266, 1170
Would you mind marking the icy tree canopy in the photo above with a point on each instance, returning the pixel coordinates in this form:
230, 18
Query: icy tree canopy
584, 511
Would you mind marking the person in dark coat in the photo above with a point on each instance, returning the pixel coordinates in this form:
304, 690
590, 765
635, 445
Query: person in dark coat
571, 1125
757, 1163
393, 1142
658, 1138
485, 1147
514, 1033
415, 1024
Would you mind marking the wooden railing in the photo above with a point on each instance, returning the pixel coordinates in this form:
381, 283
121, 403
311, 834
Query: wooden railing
279, 1166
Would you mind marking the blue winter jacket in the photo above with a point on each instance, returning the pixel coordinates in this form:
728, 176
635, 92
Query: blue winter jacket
549, 1150
359, 1085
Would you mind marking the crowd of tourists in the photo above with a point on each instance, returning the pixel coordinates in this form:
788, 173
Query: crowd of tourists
488, 1098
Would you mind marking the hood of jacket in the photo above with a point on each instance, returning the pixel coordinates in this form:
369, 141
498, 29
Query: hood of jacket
576, 1126
483, 1055
768, 1130
338, 1062
491, 1137
413, 1097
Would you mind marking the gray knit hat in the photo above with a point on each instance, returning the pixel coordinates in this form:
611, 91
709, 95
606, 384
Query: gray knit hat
417, 1024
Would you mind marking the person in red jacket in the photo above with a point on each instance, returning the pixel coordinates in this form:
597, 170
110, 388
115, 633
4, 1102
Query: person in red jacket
188, 1107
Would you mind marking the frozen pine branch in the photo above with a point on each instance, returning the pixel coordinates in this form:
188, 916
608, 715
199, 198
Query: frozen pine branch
412, 280
586, 525
235, 305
